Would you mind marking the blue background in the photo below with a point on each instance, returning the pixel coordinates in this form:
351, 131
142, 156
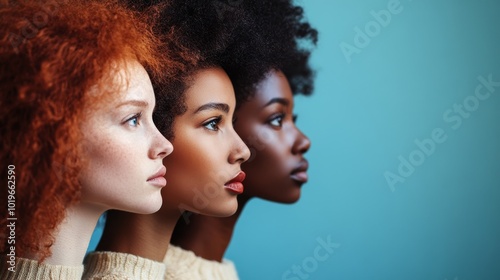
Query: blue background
443, 221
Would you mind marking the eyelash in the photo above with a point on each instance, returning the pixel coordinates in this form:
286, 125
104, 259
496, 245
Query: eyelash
136, 117
214, 122
280, 116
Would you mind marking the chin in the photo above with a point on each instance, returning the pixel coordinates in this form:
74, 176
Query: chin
148, 208
221, 213
231, 210
291, 200
220, 210
286, 198
147, 203
145, 209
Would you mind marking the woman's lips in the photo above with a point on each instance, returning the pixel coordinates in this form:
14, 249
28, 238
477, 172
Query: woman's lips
235, 185
299, 174
158, 178
300, 177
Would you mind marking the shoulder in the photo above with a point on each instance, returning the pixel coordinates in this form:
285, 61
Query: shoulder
184, 264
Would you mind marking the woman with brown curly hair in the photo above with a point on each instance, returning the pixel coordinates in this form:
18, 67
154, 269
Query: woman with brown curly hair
78, 137
268, 64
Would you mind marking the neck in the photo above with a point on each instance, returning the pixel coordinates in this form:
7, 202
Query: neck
208, 237
146, 236
73, 235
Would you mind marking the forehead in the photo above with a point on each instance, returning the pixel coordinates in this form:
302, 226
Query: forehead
126, 81
210, 85
133, 80
274, 86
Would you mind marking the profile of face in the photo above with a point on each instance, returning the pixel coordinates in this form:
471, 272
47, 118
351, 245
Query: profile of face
277, 168
123, 148
204, 174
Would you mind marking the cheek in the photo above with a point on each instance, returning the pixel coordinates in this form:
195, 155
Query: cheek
268, 164
107, 155
188, 169
184, 160
109, 165
268, 178
264, 167
197, 154
267, 152
196, 173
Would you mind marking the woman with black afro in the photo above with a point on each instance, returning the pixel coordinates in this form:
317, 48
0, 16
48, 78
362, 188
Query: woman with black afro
267, 64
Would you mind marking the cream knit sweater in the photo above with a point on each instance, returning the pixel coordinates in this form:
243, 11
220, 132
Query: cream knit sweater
121, 266
185, 265
27, 269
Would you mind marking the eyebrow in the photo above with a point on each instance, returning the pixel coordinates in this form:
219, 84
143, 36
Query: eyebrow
213, 106
277, 100
137, 103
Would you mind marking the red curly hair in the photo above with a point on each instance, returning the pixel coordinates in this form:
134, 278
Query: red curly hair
52, 55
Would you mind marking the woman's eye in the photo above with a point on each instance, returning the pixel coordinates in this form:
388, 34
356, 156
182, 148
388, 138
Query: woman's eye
213, 124
277, 120
134, 121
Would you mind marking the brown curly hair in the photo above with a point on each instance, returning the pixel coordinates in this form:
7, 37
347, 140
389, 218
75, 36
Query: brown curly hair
52, 55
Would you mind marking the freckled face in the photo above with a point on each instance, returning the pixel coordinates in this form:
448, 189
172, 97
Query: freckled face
124, 148
277, 167
208, 152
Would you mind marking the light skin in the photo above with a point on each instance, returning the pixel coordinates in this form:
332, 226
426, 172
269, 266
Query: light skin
276, 170
208, 155
125, 149
116, 134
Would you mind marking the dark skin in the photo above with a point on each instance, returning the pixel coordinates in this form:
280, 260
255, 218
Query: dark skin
276, 170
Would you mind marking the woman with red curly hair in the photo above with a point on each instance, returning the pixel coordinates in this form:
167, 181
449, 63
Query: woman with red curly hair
77, 132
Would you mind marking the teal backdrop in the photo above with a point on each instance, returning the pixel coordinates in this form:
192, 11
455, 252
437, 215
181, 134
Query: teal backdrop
404, 164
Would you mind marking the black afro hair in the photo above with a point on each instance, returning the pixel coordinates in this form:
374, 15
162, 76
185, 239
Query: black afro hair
275, 36
247, 38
